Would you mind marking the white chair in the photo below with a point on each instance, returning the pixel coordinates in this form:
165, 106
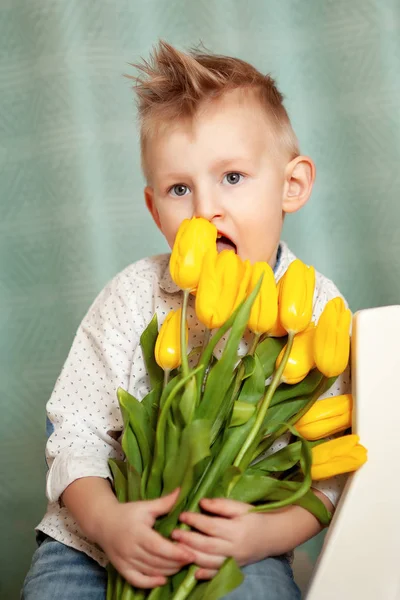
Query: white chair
361, 552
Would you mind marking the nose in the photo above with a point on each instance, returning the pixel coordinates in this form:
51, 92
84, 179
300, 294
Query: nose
207, 205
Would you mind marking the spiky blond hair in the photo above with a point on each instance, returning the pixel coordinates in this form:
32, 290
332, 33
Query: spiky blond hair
173, 85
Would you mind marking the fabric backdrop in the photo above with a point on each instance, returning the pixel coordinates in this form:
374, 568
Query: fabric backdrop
72, 211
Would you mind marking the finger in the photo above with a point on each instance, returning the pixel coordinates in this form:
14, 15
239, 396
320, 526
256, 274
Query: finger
144, 568
205, 573
156, 545
143, 581
152, 571
214, 526
208, 561
198, 541
225, 507
162, 506
162, 564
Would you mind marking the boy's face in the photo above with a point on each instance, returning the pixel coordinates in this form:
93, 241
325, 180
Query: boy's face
227, 167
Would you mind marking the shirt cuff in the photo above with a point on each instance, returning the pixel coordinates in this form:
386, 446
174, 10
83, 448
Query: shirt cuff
332, 487
68, 467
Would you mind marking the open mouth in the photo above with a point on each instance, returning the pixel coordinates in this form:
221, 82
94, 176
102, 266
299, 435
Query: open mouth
225, 243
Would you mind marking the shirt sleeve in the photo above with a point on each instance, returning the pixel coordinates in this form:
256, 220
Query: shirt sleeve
83, 407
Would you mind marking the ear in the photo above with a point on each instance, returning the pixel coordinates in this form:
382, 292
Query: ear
299, 180
151, 205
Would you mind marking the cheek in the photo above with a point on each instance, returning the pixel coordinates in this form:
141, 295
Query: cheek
169, 225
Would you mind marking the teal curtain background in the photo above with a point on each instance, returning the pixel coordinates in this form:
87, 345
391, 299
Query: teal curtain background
72, 210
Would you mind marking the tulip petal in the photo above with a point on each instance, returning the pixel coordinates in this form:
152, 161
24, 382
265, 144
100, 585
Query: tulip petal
342, 464
296, 297
334, 448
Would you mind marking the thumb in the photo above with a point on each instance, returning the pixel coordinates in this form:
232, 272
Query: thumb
161, 506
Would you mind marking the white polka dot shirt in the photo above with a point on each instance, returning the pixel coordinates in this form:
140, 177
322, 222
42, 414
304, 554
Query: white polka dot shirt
106, 354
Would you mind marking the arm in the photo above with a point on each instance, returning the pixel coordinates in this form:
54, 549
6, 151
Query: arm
249, 537
87, 423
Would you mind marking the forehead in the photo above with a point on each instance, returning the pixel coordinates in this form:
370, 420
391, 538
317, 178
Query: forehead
234, 125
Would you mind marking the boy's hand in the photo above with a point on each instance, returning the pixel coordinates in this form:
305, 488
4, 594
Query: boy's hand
138, 552
231, 531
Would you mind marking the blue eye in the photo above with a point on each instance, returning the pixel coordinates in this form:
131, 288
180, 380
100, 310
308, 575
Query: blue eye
233, 178
179, 190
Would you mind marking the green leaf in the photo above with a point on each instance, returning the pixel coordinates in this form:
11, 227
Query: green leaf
219, 377
254, 385
151, 403
131, 449
139, 422
249, 364
268, 351
224, 454
227, 579
226, 406
282, 460
303, 388
188, 401
242, 411
195, 447
304, 486
148, 343
253, 487
172, 444
153, 487
119, 475
134, 484
282, 413
230, 477
314, 505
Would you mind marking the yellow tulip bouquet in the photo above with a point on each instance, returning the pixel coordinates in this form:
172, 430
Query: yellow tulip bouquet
206, 427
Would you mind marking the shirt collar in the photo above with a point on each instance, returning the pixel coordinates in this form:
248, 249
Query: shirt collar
282, 263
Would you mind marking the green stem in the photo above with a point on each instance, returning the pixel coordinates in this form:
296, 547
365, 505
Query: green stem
206, 339
128, 593
201, 381
253, 347
187, 585
111, 579
185, 361
243, 456
209, 349
166, 377
267, 443
154, 594
240, 371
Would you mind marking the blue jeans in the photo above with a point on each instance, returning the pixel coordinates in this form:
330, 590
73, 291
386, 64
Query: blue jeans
62, 573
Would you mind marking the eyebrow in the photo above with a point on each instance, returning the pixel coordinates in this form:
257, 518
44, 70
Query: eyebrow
218, 165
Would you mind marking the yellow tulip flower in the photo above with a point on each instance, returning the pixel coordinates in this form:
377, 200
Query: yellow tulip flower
332, 338
222, 287
264, 312
194, 238
296, 297
326, 417
301, 357
340, 455
278, 330
167, 351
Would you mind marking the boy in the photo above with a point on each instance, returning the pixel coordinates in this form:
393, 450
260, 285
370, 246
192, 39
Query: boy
216, 142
